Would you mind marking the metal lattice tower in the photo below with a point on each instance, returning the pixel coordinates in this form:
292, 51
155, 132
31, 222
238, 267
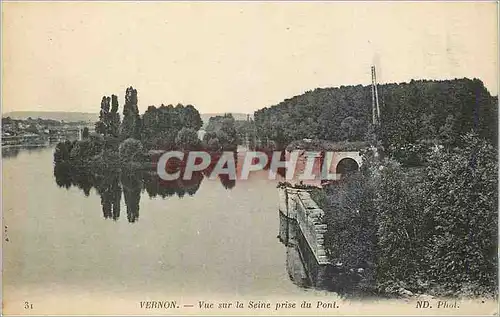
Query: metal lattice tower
375, 103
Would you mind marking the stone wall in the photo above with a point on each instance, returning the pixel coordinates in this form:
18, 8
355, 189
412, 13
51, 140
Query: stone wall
297, 204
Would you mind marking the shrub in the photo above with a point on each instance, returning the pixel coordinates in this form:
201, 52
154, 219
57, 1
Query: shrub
130, 150
462, 199
350, 218
401, 228
424, 229
187, 139
62, 151
85, 149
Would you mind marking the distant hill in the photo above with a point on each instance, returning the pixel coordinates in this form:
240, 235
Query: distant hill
88, 116
54, 115
237, 116
410, 112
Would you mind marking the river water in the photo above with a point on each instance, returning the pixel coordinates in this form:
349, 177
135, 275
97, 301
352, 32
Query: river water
221, 239
78, 245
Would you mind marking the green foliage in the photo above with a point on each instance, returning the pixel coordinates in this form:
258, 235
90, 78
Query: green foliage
114, 120
190, 117
161, 125
130, 150
402, 227
32, 129
102, 126
410, 113
187, 139
428, 229
351, 129
131, 124
214, 144
324, 145
245, 130
462, 202
62, 151
224, 129
85, 149
109, 119
351, 222
319, 196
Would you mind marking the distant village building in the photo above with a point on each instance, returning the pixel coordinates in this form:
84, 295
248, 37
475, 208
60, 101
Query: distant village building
201, 134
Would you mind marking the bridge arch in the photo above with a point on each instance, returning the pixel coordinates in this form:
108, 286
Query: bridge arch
346, 166
346, 162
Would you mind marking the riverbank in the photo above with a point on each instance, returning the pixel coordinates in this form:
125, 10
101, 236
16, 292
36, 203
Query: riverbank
419, 230
10, 146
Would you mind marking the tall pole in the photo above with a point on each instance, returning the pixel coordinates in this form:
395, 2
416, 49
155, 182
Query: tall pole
374, 115
376, 94
375, 103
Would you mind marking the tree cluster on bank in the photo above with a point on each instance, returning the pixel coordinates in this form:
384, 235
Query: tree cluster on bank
412, 115
129, 137
221, 133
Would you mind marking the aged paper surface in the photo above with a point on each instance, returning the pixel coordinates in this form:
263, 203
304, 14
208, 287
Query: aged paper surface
390, 208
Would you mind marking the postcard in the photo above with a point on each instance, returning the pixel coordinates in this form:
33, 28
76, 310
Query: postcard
249, 158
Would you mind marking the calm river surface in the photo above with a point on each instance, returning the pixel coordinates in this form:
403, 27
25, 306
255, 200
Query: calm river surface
219, 240
101, 246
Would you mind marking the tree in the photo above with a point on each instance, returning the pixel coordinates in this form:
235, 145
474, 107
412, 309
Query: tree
187, 139
131, 124
401, 224
189, 117
447, 133
350, 129
224, 129
150, 121
32, 129
130, 150
228, 127
114, 121
85, 133
132, 187
427, 130
462, 203
85, 149
103, 125
214, 144
410, 112
160, 126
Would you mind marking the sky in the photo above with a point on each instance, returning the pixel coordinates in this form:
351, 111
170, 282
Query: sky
233, 56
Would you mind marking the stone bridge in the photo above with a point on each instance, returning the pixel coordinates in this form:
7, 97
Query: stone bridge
338, 163
339, 157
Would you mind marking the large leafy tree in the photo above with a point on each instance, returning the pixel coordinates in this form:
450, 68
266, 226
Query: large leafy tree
462, 202
114, 120
160, 126
187, 139
103, 125
191, 118
224, 129
415, 112
131, 124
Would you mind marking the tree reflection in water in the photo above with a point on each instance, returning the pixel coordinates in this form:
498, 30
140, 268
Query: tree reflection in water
132, 187
109, 188
10, 152
111, 183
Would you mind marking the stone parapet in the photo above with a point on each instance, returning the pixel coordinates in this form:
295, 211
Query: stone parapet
297, 204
